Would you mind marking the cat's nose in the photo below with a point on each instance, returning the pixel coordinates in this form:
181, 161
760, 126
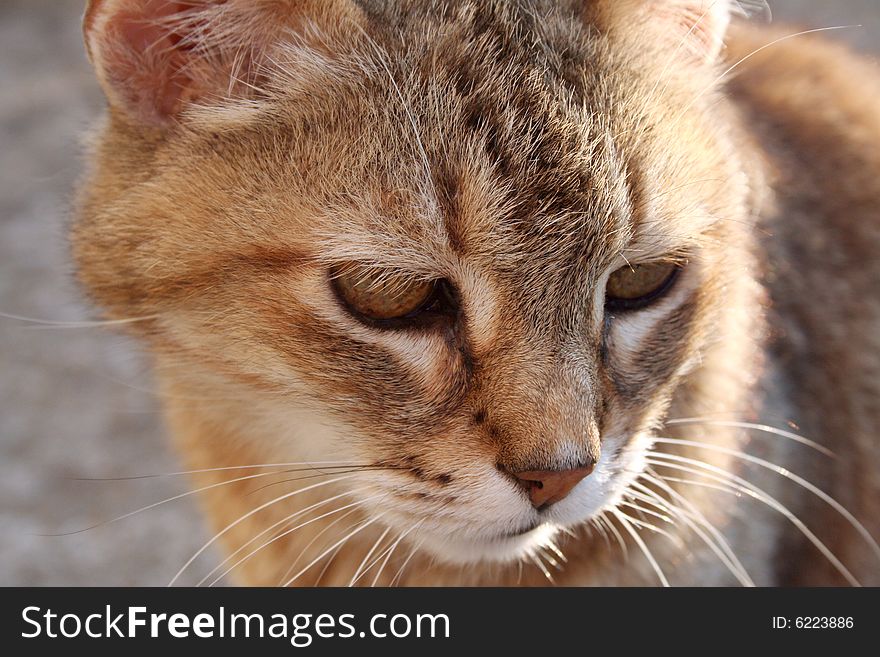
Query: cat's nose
546, 487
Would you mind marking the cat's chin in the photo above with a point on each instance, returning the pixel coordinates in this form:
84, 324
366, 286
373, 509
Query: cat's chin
462, 550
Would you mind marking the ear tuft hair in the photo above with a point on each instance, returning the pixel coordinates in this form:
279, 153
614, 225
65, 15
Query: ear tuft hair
696, 27
155, 56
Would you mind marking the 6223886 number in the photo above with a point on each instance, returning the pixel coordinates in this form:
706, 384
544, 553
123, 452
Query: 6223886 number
823, 622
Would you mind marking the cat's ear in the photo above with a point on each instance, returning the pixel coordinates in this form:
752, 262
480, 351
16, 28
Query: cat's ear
153, 57
695, 28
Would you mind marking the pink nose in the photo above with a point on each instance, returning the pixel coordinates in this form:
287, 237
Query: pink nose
546, 487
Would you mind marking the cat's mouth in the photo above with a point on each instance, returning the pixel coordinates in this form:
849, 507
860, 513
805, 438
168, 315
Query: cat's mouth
506, 527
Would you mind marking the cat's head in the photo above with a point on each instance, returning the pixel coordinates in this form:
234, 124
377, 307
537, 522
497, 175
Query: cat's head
479, 246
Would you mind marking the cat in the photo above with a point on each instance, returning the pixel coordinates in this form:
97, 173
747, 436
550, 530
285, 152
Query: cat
499, 293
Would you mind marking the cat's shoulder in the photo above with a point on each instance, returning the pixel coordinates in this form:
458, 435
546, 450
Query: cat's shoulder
812, 108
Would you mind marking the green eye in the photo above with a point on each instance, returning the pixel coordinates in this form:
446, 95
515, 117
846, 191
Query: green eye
636, 286
380, 295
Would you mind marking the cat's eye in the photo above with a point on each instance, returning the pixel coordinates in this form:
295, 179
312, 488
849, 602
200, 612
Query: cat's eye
635, 286
383, 296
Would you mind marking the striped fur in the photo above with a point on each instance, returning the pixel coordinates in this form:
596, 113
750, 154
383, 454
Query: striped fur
522, 151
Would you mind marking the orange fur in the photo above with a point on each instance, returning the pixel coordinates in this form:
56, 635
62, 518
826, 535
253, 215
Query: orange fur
522, 154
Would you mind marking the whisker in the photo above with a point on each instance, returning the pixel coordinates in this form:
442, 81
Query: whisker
757, 427
364, 468
330, 559
724, 488
651, 527
593, 523
391, 550
625, 521
694, 519
287, 520
818, 492
409, 557
568, 531
555, 549
383, 554
357, 572
616, 535
549, 558
536, 559
247, 515
309, 465
286, 533
48, 323
314, 540
278, 537
742, 60
629, 502
660, 459
344, 539
161, 502
642, 509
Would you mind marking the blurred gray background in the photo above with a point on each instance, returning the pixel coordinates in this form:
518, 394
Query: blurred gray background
76, 402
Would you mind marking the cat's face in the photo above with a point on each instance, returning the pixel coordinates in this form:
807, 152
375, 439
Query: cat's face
455, 246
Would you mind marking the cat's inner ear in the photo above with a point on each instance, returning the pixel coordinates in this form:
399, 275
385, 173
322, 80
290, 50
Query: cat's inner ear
155, 56
692, 28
